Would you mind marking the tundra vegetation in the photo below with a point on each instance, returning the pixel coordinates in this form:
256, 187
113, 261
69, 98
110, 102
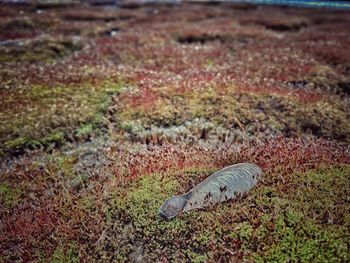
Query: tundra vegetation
106, 112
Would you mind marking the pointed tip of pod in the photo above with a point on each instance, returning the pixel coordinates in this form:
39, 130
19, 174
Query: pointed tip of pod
172, 207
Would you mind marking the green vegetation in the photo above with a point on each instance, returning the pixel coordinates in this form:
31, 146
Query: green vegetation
41, 116
66, 253
311, 223
106, 112
305, 222
45, 50
257, 115
9, 196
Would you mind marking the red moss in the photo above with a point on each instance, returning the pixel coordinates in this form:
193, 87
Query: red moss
280, 157
147, 53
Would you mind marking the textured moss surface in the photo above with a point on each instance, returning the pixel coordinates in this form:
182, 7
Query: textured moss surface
9, 196
304, 219
40, 115
106, 112
41, 50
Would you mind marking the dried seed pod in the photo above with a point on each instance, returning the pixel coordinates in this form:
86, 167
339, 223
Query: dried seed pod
228, 183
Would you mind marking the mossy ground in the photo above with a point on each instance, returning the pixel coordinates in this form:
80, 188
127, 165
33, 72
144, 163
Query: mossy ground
306, 222
9, 196
106, 112
40, 50
255, 115
41, 116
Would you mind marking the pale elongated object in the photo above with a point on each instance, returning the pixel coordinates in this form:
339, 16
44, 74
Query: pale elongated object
223, 185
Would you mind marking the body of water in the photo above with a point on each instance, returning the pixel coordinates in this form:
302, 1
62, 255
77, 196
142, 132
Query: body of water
341, 4
331, 4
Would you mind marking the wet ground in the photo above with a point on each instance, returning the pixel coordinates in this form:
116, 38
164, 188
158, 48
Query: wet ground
106, 111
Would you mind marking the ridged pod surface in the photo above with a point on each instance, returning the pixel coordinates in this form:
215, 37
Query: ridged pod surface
223, 185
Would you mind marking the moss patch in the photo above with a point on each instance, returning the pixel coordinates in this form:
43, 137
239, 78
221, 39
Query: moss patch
207, 87
304, 241
42, 116
41, 50
65, 253
9, 196
224, 114
307, 222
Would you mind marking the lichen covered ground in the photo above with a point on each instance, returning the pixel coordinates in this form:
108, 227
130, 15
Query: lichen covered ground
105, 112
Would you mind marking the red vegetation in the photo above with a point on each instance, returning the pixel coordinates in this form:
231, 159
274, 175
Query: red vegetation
280, 156
168, 55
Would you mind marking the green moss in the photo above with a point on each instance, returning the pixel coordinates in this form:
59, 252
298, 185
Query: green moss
84, 130
293, 218
323, 193
20, 144
307, 242
42, 116
86, 203
66, 164
41, 50
196, 258
17, 144
9, 196
57, 137
273, 224
137, 206
254, 114
65, 253
146, 198
311, 225
245, 230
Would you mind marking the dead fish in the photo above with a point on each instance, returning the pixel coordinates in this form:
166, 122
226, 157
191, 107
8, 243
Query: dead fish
223, 185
